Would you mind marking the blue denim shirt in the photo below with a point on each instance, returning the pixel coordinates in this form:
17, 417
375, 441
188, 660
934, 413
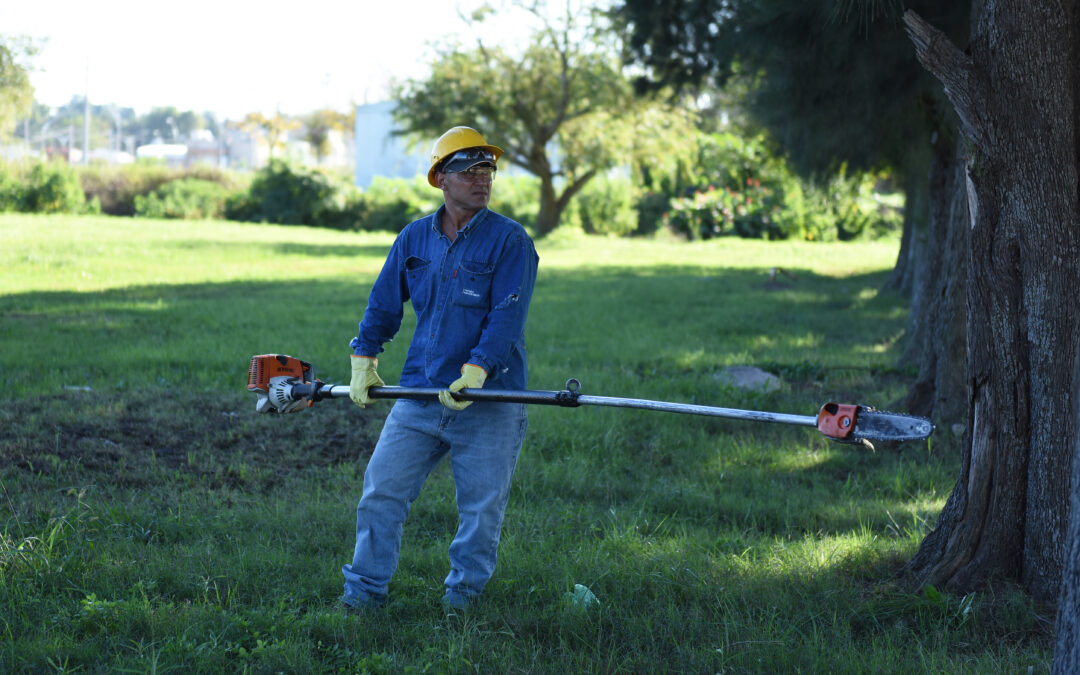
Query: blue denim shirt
471, 297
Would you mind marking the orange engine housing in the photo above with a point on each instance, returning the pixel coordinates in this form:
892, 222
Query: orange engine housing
837, 421
265, 366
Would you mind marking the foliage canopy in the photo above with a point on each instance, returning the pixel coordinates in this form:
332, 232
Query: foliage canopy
16, 92
562, 109
837, 82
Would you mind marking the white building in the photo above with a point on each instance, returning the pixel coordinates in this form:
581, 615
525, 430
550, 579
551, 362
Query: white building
378, 152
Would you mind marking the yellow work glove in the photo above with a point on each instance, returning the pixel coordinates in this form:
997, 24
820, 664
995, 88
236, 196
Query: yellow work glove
472, 377
363, 376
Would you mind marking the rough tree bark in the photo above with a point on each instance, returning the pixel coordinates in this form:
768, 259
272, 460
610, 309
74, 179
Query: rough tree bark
1016, 99
1067, 650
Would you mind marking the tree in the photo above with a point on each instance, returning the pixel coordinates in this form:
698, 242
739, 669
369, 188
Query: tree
1015, 95
275, 128
319, 124
834, 82
562, 110
16, 92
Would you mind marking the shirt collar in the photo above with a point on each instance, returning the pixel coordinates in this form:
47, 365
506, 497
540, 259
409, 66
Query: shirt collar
436, 221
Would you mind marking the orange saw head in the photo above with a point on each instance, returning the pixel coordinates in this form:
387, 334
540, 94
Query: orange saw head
265, 366
274, 379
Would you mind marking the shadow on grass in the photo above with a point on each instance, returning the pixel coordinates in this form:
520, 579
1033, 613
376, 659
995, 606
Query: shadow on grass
242, 248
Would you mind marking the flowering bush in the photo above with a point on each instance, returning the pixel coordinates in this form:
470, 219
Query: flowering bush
751, 212
754, 194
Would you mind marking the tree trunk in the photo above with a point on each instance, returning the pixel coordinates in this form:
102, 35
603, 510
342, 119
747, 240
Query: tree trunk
1016, 98
927, 247
938, 316
1067, 650
902, 278
548, 217
552, 205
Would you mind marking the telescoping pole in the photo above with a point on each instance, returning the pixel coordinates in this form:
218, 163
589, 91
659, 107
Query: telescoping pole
570, 398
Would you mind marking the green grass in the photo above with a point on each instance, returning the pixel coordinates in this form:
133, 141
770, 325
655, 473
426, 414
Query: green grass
150, 521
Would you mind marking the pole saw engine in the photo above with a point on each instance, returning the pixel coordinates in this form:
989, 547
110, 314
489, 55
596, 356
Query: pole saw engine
285, 384
275, 378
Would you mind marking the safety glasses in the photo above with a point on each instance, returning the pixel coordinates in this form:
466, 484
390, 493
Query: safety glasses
479, 172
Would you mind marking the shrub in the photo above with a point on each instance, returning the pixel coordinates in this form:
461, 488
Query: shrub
651, 207
9, 188
187, 198
51, 187
517, 197
392, 203
284, 194
856, 209
117, 186
606, 206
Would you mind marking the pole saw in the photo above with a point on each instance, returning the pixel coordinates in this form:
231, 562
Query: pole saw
285, 384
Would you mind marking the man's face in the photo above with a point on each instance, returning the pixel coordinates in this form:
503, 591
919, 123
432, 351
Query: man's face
470, 192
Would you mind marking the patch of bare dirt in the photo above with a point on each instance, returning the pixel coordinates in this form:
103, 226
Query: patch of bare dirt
133, 435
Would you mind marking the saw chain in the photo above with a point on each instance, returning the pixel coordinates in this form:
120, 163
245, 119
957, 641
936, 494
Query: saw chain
855, 423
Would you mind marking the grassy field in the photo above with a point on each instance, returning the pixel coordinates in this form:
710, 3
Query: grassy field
151, 522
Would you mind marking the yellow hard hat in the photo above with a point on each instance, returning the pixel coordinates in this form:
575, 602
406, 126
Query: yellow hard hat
459, 138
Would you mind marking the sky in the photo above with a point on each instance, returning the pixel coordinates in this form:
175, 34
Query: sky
232, 57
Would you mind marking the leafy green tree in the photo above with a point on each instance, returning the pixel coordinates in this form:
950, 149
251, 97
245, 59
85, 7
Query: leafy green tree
835, 80
562, 110
16, 92
319, 124
273, 129
161, 123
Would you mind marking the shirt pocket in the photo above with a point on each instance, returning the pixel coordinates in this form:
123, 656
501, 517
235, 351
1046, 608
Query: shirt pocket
416, 278
473, 287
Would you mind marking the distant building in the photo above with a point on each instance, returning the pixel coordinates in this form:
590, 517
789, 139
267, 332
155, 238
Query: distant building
201, 148
173, 154
378, 152
204, 148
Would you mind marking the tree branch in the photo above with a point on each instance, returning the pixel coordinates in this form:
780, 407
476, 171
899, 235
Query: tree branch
956, 71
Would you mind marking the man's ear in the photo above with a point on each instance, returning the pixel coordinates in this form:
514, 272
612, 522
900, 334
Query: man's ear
440, 180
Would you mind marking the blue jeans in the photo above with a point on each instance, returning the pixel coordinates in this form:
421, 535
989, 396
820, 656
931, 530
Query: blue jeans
483, 442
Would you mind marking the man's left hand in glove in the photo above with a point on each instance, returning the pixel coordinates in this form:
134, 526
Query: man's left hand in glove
472, 377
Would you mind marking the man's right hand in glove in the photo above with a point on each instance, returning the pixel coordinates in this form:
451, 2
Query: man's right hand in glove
363, 376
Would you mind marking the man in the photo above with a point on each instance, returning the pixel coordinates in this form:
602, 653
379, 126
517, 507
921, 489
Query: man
469, 273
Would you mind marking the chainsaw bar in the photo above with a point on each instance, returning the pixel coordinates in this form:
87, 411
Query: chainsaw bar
853, 423
879, 425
